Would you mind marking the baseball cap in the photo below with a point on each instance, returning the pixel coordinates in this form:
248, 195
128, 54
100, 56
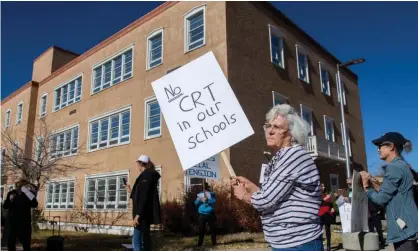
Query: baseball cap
144, 159
393, 137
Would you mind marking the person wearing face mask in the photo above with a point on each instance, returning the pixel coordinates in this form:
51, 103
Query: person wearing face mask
396, 191
146, 203
290, 195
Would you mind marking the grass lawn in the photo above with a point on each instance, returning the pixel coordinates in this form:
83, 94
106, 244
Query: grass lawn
80, 241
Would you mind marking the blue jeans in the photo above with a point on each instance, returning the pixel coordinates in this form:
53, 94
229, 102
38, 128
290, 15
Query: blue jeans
137, 240
314, 245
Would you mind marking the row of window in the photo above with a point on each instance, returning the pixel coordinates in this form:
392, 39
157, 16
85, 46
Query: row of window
111, 129
101, 192
18, 115
307, 114
302, 60
120, 67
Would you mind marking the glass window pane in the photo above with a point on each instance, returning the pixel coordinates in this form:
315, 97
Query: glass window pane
104, 127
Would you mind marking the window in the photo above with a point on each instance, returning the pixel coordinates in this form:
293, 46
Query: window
192, 183
113, 71
68, 93
158, 169
338, 90
155, 49
334, 182
307, 116
7, 119
60, 195
276, 47
16, 151
329, 128
19, 113
106, 192
348, 138
110, 130
279, 99
39, 148
194, 23
42, 108
324, 76
152, 119
3, 155
64, 143
302, 61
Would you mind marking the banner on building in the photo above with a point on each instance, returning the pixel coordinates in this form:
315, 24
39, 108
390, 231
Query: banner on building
201, 111
207, 169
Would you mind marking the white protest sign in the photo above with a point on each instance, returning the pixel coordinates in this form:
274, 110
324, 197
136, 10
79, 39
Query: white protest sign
208, 169
201, 110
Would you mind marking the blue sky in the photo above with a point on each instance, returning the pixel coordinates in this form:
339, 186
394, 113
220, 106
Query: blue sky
384, 33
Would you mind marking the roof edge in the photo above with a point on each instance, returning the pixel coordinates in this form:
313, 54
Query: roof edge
309, 37
20, 90
111, 39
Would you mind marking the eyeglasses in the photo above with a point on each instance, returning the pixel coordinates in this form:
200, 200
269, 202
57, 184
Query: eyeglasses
274, 128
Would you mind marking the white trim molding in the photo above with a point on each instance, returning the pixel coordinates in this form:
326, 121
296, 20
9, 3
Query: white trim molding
201, 9
150, 37
301, 50
273, 31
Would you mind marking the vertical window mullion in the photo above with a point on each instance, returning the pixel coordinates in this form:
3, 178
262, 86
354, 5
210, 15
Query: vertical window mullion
102, 78
122, 68
117, 191
108, 130
120, 128
112, 68
96, 190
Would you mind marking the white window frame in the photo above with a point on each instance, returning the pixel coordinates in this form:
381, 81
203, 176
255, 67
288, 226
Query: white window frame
326, 128
151, 36
59, 204
38, 151
187, 186
110, 59
334, 176
43, 113
63, 105
109, 115
338, 90
273, 31
105, 176
19, 115
324, 67
187, 16
280, 97
348, 137
64, 131
148, 101
301, 50
8, 117
15, 149
302, 108
159, 170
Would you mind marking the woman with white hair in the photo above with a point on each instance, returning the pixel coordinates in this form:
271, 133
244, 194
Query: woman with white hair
290, 196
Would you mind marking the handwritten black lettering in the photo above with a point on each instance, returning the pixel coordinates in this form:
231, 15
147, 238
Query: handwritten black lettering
233, 118
181, 107
210, 91
216, 130
220, 125
185, 124
201, 116
195, 100
191, 142
206, 131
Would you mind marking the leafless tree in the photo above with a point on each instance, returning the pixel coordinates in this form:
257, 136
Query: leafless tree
42, 158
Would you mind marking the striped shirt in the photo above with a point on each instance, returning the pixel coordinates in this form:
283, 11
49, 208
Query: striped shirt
289, 199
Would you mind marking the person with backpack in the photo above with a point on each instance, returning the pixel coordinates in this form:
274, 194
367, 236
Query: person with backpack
396, 192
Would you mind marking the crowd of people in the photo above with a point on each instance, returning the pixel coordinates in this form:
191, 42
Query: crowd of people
293, 204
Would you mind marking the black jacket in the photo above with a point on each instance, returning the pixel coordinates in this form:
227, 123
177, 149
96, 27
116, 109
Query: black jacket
145, 197
19, 210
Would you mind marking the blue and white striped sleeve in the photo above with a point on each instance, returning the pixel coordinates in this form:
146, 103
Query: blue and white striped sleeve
281, 181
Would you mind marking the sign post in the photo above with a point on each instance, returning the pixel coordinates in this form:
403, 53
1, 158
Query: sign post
201, 110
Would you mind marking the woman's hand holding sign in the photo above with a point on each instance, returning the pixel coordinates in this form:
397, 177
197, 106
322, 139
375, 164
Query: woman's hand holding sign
243, 188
